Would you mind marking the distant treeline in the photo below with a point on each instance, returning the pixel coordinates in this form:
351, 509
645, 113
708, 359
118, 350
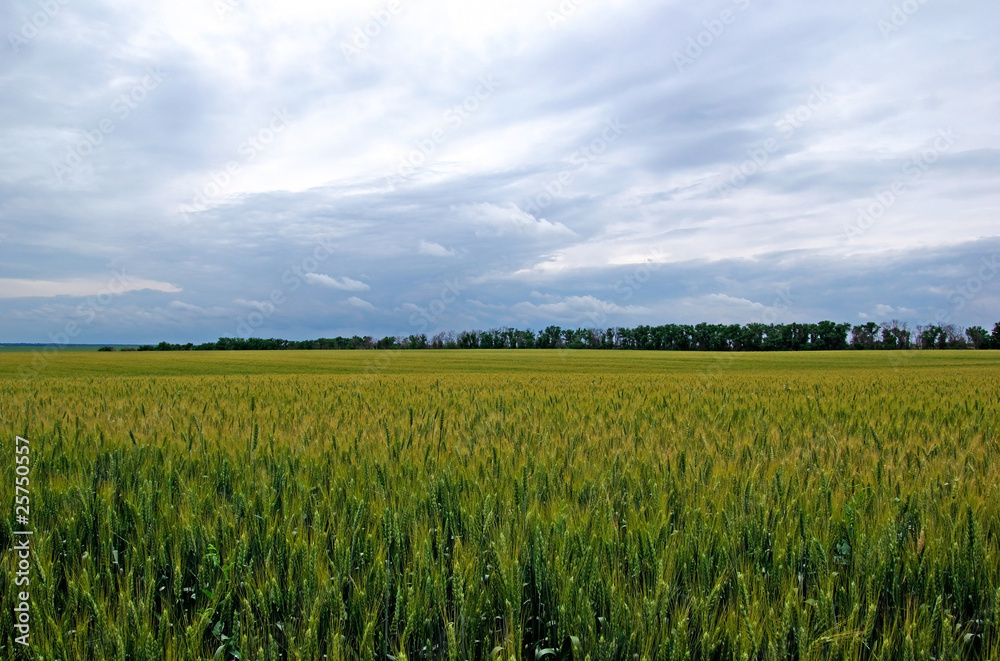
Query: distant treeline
824, 336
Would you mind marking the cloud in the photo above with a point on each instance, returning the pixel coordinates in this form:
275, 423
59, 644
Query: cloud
80, 287
886, 312
518, 189
360, 303
724, 308
435, 250
575, 309
508, 219
343, 284
883, 312
197, 309
251, 303
187, 307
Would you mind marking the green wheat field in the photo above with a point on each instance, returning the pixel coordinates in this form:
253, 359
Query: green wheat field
505, 505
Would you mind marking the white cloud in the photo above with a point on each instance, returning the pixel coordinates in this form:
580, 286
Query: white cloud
187, 307
196, 309
80, 287
360, 303
727, 309
731, 301
508, 219
576, 309
886, 312
543, 297
343, 284
435, 250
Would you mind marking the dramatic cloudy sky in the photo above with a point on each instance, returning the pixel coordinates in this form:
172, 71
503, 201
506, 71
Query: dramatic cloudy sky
192, 169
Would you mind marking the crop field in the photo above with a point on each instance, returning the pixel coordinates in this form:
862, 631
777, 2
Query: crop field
542, 505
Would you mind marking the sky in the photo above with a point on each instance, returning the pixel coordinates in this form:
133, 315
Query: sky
196, 169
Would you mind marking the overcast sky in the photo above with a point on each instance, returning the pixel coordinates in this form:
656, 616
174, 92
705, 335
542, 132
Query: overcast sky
193, 169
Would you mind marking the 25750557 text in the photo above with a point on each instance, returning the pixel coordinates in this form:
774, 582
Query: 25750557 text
22, 547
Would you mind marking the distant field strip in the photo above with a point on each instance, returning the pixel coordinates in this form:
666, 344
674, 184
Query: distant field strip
505, 505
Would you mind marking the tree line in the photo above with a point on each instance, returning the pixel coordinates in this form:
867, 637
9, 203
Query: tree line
822, 336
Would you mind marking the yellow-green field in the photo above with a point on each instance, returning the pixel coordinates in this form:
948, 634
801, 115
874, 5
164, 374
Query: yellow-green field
506, 505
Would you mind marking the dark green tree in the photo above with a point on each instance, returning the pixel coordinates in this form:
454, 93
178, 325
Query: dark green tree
979, 337
865, 336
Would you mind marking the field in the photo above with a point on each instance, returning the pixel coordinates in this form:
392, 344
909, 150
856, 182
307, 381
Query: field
506, 505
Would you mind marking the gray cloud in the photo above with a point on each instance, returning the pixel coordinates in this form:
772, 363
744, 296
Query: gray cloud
225, 163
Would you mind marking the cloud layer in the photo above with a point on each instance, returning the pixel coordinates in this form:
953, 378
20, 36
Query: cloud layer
260, 169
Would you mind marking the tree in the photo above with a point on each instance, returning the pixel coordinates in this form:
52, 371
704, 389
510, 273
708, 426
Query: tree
895, 335
865, 337
524, 339
934, 336
752, 337
954, 338
609, 339
550, 338
979, 338
830, 336
416, 342
468, 340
